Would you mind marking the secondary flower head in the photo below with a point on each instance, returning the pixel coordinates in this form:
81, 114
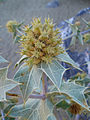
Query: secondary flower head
87, 37
10, 25
75, 108
41, 42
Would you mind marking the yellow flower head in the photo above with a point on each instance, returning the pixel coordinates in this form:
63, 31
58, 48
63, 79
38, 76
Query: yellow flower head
10, 25
41, 42
86, 37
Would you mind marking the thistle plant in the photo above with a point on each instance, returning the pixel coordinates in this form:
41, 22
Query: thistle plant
40, 76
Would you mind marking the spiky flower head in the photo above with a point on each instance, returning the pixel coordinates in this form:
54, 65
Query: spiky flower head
10, 25
41, 42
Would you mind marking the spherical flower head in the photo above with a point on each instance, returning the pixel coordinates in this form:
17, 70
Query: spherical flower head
75, 108
41, 42
10, 25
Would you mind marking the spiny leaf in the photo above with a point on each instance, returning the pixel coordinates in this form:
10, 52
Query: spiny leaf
75, 92
2, 60
34, 109
30, 80
66, 58
80, 38
62, 104
84, 81
73, 40
51, 117
54, 71
24, 57
5, 83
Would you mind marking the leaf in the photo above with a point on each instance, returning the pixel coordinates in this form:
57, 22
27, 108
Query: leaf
62, 104
80, 37
24, 57
34, 109
6, 106
2, 60
87, 23
1, 105
5, 83
51, 117
66, 58
88, 41
30, 80
7, 118
85, 81
73, 40
54, 71
75, 92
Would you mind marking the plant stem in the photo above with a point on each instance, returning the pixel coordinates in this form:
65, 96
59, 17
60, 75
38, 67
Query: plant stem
2, 115
37, 96
76, 34
77, 117
57, 114
85, 31
45, 89
44, 83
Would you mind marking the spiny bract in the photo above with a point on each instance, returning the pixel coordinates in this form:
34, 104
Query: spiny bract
41, 42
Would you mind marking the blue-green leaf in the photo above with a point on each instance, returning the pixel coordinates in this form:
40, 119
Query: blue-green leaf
66, 58
62, 104
2, 60
76, 92
30, 80
80, 38
5, 83
34, 109
24, 57
54, 71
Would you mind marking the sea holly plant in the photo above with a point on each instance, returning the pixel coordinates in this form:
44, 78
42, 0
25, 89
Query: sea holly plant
5, 85
40, 74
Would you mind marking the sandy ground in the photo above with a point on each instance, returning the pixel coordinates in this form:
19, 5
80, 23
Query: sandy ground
26, 9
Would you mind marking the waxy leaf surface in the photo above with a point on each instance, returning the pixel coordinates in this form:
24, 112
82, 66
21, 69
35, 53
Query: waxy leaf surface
5, 83
54, 71
75, 92
2, 60
30, 80
34, 109
66, 58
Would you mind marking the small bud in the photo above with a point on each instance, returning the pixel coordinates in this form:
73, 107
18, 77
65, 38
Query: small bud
77, 23
10, 25
86, 37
